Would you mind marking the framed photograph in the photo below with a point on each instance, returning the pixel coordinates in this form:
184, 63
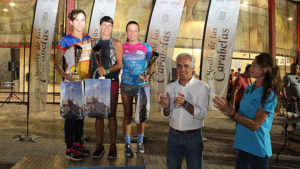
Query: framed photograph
72, 100
97, 96
142, 111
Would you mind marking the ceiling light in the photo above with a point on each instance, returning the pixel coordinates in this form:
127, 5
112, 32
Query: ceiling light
290, 18
12, 4
5, 10
197, 50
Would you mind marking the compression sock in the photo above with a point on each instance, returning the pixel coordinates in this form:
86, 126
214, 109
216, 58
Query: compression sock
127, 139
140, 138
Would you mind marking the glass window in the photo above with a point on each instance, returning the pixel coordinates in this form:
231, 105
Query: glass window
16, 20
286, 28
252, 36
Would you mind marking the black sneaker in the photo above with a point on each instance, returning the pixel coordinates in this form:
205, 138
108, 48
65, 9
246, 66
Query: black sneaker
72, 154
127, 150
81, 149
99, 151
112, 152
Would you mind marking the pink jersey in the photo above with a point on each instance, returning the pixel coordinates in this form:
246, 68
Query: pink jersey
135, 57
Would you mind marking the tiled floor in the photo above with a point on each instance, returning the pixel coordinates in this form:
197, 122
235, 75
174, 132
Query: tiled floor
48, 152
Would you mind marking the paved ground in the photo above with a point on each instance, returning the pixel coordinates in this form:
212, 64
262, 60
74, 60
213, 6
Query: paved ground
48, 152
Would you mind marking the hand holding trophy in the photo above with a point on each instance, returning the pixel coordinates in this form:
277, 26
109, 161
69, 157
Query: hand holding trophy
143, 76
77, 55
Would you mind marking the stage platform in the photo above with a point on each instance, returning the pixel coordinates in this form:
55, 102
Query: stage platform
60, 162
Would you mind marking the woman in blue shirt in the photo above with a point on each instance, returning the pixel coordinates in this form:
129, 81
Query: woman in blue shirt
254, 119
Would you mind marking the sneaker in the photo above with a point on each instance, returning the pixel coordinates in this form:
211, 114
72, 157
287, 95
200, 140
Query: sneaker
140, 148
73, 154
99, 151
112, 152
128, 152
81, 149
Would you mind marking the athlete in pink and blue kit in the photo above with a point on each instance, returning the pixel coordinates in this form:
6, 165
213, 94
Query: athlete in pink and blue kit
135, 57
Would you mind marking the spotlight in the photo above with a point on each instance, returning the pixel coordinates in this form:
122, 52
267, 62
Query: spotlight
197, 50
12, 4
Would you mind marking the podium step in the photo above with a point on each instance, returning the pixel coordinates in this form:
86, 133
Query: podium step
60, 162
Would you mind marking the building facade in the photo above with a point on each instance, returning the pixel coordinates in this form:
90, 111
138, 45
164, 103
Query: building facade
252, 37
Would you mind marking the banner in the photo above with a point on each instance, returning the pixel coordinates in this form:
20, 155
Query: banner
161, 35
101, 8
40, 50
217, 46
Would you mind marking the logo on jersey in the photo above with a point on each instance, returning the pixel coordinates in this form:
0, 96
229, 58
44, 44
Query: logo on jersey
139, 52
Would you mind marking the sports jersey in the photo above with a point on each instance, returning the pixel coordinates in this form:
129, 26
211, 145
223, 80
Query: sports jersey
108, 57
135, 57
68, 44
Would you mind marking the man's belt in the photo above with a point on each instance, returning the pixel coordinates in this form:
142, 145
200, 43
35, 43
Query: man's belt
186, 131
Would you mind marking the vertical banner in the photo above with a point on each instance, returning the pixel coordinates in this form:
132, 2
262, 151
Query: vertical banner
40, 50
218, 43
101, 8
161, 35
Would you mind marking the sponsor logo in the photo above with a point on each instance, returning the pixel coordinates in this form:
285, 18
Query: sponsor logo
165, 18
139, 52
45, 16
223, 15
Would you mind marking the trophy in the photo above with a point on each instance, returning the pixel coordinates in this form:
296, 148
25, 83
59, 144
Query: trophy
97, 55
152, 59
77, 55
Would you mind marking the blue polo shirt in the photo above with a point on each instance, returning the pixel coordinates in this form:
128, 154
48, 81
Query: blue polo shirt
255, 142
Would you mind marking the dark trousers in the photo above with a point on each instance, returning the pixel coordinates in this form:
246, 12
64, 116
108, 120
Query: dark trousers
249, 161
189, 146
73, 131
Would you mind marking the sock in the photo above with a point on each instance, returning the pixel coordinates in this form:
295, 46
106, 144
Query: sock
140, 138
127, 139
